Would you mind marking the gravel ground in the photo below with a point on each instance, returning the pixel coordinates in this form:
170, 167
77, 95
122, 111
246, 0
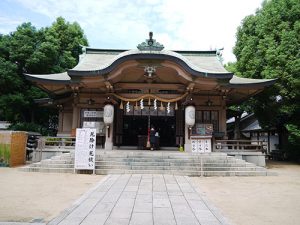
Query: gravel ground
26, 196
273, 200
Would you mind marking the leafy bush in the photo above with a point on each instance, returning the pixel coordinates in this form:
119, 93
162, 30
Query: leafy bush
293, 148
4, 155
23, 126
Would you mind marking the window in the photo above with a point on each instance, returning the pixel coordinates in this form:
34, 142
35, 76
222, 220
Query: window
168, 92
208, 117
131, 91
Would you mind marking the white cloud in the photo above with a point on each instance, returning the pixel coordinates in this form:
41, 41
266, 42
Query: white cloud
189, 24
6, 24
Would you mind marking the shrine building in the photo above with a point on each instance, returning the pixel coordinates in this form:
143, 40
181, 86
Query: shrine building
122, 93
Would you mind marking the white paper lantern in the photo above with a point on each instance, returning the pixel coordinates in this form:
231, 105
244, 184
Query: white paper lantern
190, 115
108, 116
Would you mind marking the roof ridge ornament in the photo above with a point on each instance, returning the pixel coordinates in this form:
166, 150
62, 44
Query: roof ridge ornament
150, 44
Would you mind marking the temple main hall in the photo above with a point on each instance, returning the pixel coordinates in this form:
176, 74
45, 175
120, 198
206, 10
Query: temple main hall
183, 95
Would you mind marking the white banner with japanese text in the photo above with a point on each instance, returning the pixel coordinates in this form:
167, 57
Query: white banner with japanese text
85, 147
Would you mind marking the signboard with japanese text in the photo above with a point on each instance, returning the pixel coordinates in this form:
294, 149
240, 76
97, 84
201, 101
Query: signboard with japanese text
201, 145
85, 147
202, 129
93, 114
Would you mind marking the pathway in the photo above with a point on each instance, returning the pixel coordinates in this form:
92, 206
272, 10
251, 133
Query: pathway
141, 199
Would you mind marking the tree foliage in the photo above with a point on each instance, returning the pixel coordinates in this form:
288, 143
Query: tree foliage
52, 49
268, 46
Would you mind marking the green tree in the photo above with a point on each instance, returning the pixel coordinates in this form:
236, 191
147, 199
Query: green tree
268, 46
52, 49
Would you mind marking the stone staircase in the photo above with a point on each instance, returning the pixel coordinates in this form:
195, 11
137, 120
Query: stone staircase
157, 162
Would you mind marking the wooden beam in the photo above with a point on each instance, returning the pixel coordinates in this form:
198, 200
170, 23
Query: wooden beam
149, 86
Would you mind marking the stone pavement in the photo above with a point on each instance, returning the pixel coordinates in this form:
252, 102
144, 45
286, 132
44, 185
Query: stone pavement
141, 199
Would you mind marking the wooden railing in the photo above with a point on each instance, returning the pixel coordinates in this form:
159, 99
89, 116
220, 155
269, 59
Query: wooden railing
239, 145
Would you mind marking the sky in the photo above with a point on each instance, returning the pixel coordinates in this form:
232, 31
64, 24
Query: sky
123, 24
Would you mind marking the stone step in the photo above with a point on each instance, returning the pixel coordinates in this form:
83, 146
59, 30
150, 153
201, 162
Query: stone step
196, 168
168, 160
187, 173
163, 158
148, 167
160, 163
187, 163
253, 168
107, 162
47, 170
155, 154
52, 165
57, 161
172, 164
118, 158
175, 172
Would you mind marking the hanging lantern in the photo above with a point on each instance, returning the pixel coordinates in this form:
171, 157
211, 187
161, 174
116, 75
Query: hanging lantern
142, 103
149, 102
176, 106
190, 115
121, 105
108, 115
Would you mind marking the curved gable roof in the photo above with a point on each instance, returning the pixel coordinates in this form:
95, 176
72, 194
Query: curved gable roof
199, 63
97, 62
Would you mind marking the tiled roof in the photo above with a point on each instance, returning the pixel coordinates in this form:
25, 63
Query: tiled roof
197, 62
204, 63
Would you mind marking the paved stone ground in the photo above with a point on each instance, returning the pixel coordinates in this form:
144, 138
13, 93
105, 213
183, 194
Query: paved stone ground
141, 199
135, 199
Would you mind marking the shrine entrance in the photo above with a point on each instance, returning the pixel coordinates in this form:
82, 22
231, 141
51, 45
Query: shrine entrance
136, 128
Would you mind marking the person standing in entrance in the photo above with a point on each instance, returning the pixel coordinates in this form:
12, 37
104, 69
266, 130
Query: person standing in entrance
156, 140
152, 138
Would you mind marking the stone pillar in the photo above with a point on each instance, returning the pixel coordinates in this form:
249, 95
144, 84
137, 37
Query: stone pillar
109, 137
189, 122
187, 143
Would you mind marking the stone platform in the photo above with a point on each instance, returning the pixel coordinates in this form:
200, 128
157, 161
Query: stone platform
154, 162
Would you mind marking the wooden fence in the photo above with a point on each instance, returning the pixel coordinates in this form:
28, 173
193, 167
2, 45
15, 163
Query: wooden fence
239, 145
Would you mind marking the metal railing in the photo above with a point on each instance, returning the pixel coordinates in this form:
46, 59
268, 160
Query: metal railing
50, 146
57, 142
239, 145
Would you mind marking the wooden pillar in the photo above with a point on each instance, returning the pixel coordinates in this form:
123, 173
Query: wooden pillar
268, 149
60, 121
179, 115
74, 120
75, 117
222, 119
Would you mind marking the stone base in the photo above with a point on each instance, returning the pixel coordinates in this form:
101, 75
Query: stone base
187, 148
256, 158
108, 145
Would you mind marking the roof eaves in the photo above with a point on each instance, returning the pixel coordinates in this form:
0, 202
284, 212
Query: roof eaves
45, 80
252, 85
